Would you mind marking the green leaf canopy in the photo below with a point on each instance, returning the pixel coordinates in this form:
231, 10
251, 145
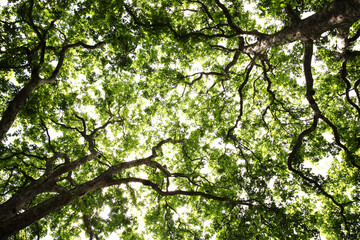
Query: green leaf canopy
182, 119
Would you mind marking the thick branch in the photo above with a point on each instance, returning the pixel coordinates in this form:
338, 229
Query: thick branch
317, 115
9, 115
22, 220
292, 15
23, 197
19, 100
309, 95
339, 14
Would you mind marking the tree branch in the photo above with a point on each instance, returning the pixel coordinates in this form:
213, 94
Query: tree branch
240, 92
338, 14
11, 112
348, 87
317, 116
228, 17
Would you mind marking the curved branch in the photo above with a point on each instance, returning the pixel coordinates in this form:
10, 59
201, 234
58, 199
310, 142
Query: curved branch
236, 56
348, 87
62, 55
206, 10
155, 187
240, 92
356, 89
228, 17
355, 37
11, 112
31, 215
338, 14
317, 115
309, 95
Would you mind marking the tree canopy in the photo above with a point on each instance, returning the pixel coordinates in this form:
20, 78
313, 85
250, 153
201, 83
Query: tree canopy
181, 119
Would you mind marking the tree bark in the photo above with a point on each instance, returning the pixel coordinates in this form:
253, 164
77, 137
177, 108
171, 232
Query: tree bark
20, 200
10, 114
339, 14
16, 223
14, 107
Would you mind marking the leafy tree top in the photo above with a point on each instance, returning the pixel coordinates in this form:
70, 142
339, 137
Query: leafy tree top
206, 117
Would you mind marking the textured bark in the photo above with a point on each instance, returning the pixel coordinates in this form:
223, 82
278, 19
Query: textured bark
22, 220
11, 220
11, 225
9, 115
339, 14
20, 200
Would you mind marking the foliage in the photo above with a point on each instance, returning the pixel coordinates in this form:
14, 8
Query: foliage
185, 119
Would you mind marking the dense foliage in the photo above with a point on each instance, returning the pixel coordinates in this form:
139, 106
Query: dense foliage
180, 119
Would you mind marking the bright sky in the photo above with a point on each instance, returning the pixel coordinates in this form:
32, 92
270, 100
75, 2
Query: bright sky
3, 3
